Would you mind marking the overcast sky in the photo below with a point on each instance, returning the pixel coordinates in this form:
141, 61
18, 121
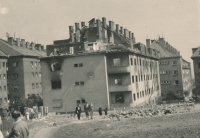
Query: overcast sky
43, 21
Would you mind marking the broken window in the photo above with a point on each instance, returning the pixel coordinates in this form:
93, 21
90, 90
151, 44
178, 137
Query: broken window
32, 64
118, 81
56, 85
116, 62
55, 66
119, 98
4, 76
176, 82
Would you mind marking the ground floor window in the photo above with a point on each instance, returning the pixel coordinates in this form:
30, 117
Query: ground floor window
119, 98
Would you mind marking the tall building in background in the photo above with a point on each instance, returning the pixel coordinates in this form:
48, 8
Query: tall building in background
175, 72
196, 63
23, 68
101, 64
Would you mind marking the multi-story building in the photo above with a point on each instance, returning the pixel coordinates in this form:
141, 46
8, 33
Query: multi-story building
24, 70
196, 63
175, 72
111, 70
3, 81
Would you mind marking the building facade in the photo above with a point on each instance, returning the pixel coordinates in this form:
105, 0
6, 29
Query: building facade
23, 68
175, 72
3, 81
196, 63
111, 70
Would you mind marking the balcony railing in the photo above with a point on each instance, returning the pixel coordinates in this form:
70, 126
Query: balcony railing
118, 69
120, 88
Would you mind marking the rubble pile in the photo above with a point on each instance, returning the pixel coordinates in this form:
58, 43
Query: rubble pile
149, 112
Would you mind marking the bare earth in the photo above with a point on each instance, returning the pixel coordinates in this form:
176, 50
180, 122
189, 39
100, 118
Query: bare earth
184, 125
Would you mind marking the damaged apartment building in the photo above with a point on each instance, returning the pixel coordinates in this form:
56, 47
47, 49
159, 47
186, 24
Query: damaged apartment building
21, 69
175, 72
196, 63
102, 64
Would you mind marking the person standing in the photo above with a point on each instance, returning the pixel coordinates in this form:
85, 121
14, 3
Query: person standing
91, 110
20, 128
86, 108
78, 111
100, 111
106, 110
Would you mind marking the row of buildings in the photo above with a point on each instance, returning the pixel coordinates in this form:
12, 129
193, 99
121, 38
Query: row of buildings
99, 63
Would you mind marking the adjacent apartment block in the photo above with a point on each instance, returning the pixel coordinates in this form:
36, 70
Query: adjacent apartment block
196, 63
105, 67
23, 68
3, 81
175, 72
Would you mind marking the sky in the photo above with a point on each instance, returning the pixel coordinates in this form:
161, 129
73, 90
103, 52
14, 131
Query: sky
43, 21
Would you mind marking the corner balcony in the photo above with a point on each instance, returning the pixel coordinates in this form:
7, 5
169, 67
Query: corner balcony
118, 69
120, 88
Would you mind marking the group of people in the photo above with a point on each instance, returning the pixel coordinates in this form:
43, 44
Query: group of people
19, 129
88, 109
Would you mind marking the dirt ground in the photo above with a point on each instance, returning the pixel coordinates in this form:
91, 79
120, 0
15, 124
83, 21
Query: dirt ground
168, 126
185, 125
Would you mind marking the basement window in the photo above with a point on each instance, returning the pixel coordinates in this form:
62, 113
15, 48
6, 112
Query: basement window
56, 85
119, 98
82, 83
76, 83
78, 101
83, 101
80, 64
75, 65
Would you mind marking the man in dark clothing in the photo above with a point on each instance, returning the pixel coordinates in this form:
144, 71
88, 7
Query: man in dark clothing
20, 128
100, 111
106, 110
78, 111
86, 109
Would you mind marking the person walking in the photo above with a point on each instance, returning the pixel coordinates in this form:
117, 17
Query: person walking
106, 110
91, 110
86, 109
20, 128
78, 111
100, 111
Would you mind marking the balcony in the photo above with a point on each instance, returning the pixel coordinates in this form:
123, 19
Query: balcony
120, 88
118, 69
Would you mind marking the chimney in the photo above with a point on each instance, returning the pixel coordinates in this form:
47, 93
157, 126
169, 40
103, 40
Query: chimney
27, 45
125, 33
117, 29
104, 22
99, 33
82, 24
76, 26
122, 30
10, 40
71, 34
38, 47
42, 48
18, 41
111, 27
162, 42
23, 42
32, 46
130, 35
148, 43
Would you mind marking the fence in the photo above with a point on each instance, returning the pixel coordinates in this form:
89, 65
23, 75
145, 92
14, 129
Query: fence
7, 123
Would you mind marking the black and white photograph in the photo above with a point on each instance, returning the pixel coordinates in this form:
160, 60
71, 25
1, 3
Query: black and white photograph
99, 68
